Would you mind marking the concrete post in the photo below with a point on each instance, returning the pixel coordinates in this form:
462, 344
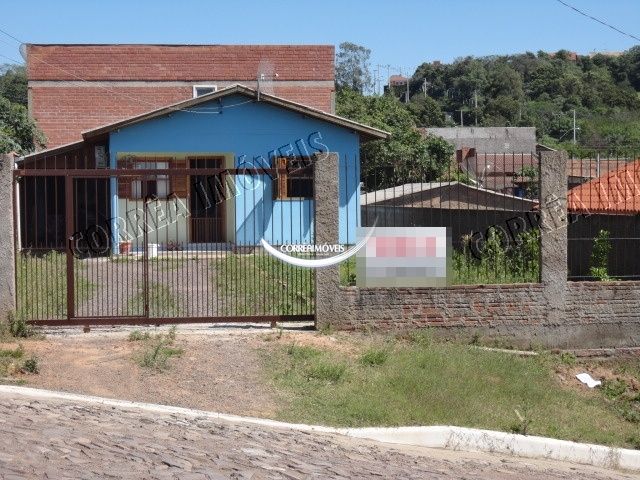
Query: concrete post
7, 244
327, 202
553, 229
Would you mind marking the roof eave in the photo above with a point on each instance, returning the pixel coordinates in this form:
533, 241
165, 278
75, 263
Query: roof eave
367, 133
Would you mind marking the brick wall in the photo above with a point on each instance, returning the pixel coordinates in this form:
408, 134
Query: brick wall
596, 314
78, 87
554, 313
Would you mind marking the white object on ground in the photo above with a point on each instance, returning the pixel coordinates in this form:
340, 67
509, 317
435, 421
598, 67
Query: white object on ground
588, 380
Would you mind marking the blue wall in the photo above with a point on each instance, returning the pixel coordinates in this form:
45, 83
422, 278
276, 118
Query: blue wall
255, 132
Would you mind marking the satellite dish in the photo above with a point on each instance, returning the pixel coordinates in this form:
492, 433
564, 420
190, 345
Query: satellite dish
23, 51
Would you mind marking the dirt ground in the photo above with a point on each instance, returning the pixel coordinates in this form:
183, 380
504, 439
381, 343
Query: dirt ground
218, 372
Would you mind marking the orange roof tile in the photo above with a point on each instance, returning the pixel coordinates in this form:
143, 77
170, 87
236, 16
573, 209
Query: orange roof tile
618, 191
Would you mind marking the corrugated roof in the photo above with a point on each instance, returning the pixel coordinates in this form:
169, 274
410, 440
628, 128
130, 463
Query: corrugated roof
616, 192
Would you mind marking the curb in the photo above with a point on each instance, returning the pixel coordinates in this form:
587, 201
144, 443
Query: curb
443, 437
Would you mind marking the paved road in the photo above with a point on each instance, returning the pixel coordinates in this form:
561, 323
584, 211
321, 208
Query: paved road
59, 439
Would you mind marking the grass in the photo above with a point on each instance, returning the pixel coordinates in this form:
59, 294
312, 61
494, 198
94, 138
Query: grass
41, 287
418, 381
13, 361
156, 350
257, 284
162, 301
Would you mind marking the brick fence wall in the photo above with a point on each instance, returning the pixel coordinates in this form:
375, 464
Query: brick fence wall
553, 313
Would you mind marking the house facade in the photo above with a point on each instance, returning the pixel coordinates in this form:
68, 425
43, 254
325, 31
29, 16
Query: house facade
230, 129
74, 88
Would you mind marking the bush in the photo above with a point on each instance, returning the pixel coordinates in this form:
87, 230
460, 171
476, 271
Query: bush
600, 257
31, 365
18, 327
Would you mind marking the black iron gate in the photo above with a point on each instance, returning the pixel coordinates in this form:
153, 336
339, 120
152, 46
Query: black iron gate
157, 240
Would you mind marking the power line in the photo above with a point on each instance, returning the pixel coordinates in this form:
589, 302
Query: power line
584, 14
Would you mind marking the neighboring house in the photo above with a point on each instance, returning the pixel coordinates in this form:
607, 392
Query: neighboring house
463, 209
235, 127
616, 192
488, 139
502, 172
73, 88
446, 195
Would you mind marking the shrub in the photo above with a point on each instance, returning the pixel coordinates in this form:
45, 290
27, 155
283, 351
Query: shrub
600, 257
31, 365
614, 388
18, 327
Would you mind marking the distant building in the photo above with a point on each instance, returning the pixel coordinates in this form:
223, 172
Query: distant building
397, 80
488, 139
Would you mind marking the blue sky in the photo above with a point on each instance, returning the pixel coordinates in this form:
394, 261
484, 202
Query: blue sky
400, 33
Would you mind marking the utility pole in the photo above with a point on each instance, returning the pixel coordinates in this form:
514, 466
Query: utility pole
475, 108
424, 87
406, 94
461, 119
574, 126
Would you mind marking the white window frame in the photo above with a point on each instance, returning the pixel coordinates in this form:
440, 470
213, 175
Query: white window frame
196, 87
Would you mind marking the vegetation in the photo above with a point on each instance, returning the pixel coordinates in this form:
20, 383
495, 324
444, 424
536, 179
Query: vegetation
256, 284
495, 260
406, 154
599, 268
18, 132
163, 302
157, 350
415, 380
539, 90
41, 285
13, 361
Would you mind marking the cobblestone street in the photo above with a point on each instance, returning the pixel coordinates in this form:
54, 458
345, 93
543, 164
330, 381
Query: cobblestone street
60, 439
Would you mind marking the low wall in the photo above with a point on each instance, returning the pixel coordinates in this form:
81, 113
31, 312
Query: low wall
596, 314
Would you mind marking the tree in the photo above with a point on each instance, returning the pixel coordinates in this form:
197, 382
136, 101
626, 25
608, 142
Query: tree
426, 111
407, 155
13, 83
18, 132
352, 67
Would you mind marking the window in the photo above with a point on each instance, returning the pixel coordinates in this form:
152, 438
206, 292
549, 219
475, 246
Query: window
199, 90
159, 186
297, 179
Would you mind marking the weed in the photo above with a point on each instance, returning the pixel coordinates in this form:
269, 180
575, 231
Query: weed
613, 389
18, 327
31, 365
568, 358
302, 352
522, 425
158, 350
138, 336
325, 371
326, 329
15, 353
374, 356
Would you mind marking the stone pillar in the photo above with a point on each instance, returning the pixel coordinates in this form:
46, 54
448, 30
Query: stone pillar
7, 244
553, 230
327, 228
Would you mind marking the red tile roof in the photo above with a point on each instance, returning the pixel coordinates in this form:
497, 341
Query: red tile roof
616, 192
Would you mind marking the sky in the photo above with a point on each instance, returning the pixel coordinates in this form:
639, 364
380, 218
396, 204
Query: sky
402, 34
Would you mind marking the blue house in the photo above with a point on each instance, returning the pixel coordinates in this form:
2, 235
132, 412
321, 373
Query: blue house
234, 128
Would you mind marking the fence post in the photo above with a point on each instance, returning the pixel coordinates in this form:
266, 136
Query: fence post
7, 241
326, 225
553, 232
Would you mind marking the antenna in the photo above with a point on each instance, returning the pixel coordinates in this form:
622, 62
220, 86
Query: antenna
265, 77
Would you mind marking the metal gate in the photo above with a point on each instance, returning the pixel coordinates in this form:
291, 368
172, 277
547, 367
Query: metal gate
156, 240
